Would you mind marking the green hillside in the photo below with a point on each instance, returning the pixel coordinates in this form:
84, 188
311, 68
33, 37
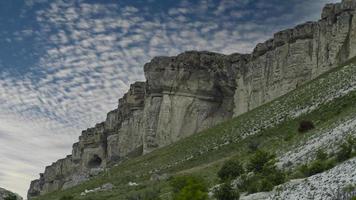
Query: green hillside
273, 127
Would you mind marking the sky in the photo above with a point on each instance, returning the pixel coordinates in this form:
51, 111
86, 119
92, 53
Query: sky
65, 63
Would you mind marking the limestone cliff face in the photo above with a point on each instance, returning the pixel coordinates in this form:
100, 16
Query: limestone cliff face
197, 90
295, 56
187, 94
126, 135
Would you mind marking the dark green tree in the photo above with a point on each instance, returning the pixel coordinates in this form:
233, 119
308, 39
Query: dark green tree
230, 170
11, 197
226, 192
188, 188
259, 160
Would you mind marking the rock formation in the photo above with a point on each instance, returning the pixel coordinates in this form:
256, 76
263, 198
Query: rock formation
197, 90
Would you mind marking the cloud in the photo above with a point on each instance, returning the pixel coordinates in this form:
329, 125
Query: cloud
91, 52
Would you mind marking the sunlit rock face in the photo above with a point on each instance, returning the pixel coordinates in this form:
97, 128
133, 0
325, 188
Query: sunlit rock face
295, 56
193, 91
187, 94
127, 135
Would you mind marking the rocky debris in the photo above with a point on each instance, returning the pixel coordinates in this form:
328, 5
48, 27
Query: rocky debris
328, 185
5, 193
132, 184
193, 91
96, 171
328, 140
257, 196
159, 177
105, 187
324, 186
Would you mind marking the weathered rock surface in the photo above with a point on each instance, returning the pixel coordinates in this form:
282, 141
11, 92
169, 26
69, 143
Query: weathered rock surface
328, 185
187, 94
197, 90
5, 193
295, 56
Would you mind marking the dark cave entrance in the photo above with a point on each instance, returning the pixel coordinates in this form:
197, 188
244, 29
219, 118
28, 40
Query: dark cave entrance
95, 162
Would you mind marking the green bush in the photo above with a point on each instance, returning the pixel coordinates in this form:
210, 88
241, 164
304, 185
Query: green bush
304, 169
330, 163
322, 163
188, 188
274, 175
265, 173
252, 186
259, 160
265, 185
321, 155
305, 126
316, 167
11, 197
151, 193
344, 153
226, 192
352, 142
67, 197
230, 170
253, 146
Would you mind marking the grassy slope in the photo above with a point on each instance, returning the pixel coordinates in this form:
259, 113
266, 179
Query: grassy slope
273, 126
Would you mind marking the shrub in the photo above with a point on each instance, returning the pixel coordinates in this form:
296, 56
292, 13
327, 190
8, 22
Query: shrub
305, 126
264, 181
344, 153
265, 185
352, 142
253, 146
275, 176
330, 163
304, 170
321, 155
252, 187
257, 183
226, 192
151, 193
259, 160
316, 167
265, 173
67, 197
321, 164
231, 169
11, 197
188, 188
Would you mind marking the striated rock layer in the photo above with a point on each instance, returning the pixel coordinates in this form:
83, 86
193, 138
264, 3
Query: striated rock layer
193, 91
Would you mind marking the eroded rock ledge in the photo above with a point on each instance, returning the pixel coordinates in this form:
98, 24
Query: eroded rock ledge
193, 91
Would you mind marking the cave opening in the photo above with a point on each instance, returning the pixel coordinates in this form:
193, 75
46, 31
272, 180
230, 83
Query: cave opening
95, 162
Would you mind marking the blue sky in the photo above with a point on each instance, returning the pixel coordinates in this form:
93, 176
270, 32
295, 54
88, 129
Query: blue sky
65, 63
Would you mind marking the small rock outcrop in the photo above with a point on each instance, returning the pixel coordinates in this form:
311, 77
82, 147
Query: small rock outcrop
193, 91
4, 194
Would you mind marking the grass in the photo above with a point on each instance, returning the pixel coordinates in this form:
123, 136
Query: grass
273, 127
